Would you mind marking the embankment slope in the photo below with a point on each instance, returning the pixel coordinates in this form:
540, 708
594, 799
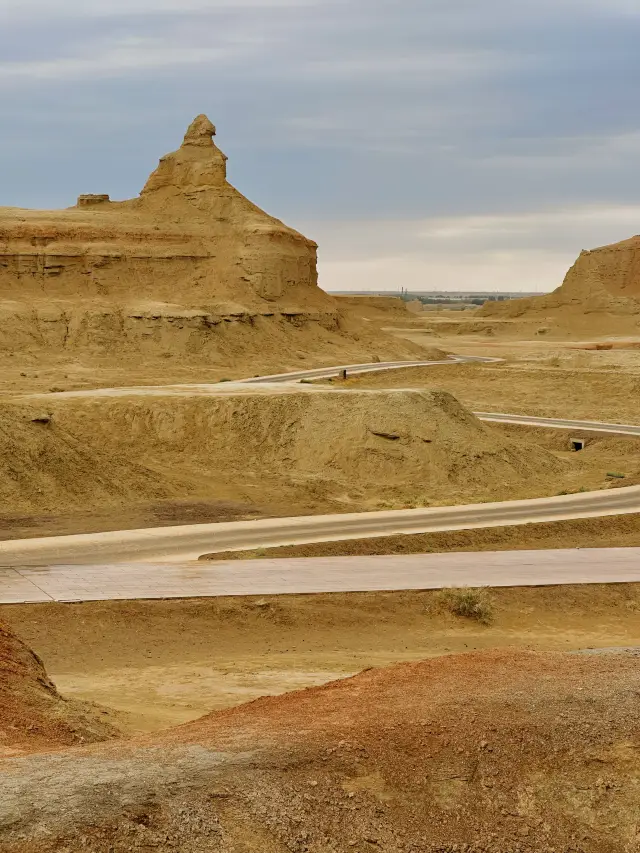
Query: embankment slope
330, 449
33, 715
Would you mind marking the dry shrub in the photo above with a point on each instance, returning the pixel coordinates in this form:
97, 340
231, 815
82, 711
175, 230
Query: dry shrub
468, 603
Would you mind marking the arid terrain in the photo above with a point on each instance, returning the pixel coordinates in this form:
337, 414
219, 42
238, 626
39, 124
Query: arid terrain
599, 295
436, 721
488, 751
162, 663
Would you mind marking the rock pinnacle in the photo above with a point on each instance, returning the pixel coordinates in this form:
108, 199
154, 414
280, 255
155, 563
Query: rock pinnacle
200, 132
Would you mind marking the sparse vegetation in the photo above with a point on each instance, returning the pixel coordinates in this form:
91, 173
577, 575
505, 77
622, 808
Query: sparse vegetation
469, 603
574, 491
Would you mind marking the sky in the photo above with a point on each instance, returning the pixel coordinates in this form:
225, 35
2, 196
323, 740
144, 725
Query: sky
427, 144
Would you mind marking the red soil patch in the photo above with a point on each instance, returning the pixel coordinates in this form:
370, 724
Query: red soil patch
33, 715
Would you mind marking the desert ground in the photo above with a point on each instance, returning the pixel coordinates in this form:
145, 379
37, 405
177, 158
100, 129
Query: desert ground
477, 720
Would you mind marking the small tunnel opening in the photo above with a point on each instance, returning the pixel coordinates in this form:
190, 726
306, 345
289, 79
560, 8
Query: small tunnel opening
577, 444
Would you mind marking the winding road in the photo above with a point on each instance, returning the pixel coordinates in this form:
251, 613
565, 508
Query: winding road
372, 367
188, 542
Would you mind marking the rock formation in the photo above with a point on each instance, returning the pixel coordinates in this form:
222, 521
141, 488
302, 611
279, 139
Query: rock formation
190, 239
601, 292
189, 270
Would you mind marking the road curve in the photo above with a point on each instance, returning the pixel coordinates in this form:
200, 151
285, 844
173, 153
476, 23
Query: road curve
291, 382
497, 417
188, 542
319, 574
371, 367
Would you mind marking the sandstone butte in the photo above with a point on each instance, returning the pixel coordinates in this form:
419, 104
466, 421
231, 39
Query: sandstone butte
190, 250
601, 292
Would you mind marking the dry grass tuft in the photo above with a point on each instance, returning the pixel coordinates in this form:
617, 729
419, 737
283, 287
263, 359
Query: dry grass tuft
468, 603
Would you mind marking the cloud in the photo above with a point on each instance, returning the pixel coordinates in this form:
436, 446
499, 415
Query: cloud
450, 136
523, 271
120, 57
527, 252
607, 8
574, 153
432, 67
537, 229
15, 10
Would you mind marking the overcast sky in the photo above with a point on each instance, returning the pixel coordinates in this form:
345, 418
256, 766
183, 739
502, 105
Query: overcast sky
431, 144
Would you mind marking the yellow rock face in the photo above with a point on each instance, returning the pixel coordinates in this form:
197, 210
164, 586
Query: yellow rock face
189, 241
599, 295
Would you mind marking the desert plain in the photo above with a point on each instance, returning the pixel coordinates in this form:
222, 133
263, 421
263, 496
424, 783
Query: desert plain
453, 719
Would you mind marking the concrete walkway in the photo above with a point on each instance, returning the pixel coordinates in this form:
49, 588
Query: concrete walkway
314, 575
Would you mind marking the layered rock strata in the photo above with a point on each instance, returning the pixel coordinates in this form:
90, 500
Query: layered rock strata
190, 253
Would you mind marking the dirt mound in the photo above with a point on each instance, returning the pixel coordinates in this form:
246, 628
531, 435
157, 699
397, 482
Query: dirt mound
485, 752
46, 467
600, 294
190, 268
342, 446
33, 715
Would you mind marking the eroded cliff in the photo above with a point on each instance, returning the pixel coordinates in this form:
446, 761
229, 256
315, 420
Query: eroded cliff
189, 237
600, 293
169, 272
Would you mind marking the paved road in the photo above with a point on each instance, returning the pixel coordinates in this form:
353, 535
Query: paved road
326, 574
188, 542
498, 417
560, 423
286, 382
326, 372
